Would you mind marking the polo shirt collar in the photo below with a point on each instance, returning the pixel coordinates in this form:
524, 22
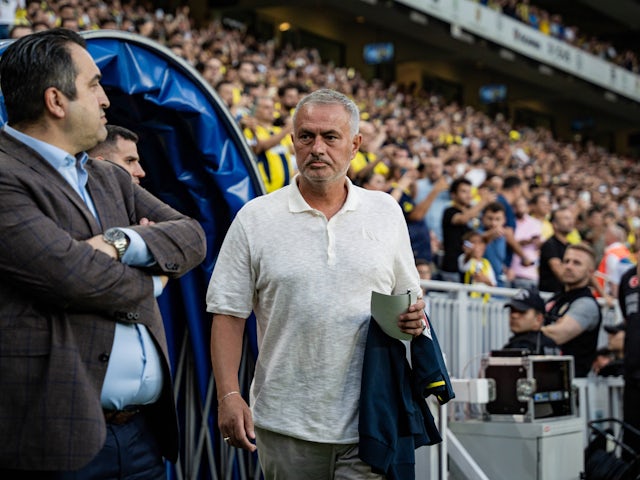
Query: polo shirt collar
298, 204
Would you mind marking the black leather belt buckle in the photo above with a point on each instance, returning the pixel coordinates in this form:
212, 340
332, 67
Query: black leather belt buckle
121, 417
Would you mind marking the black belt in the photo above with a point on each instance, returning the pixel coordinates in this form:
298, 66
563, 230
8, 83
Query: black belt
124, 416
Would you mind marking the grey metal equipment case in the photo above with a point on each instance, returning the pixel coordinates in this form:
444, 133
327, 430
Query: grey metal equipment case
529, 387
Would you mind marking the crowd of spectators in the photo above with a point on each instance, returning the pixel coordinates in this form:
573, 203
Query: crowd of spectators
142, 17
554, 25
415, 143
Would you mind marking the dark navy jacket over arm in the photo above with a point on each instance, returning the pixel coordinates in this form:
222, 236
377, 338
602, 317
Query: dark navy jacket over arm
394, 416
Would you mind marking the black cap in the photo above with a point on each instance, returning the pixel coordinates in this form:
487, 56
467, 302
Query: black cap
526, 299
618, 327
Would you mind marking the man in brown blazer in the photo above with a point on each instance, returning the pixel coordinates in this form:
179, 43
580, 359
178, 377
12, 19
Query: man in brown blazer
85, 387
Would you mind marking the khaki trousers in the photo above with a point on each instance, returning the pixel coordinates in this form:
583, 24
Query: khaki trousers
287, 458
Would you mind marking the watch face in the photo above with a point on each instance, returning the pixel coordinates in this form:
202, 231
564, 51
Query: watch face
118, 239
114, 234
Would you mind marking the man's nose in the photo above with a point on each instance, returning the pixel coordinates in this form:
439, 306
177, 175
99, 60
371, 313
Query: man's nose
139, 171
104, 100
318, 144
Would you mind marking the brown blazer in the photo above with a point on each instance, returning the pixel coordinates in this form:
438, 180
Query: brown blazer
60, 300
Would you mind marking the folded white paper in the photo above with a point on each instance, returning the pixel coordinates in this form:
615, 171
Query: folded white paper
386, 308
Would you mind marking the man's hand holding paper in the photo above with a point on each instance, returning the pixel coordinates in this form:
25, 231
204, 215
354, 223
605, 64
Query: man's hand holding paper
399, 316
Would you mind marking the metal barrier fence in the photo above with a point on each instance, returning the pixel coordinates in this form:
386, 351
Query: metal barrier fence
467, 328
470, 321
204, 455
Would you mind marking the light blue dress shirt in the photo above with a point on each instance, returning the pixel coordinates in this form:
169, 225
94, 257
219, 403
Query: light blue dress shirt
134, 374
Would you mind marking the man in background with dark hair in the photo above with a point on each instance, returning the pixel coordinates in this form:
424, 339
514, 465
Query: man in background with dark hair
552, 250
455, 224
510, 192
288, 97
540, 209
593, 233
368, 157
433, 174
212, 70
120, 147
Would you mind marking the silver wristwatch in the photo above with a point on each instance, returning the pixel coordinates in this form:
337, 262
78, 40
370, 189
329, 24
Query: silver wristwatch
117, 238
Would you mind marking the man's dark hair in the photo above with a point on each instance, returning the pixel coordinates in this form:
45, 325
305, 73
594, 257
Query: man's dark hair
593, 210
537, 196
453, 188
65, 6
436, 149
289, 86
113, 133
224, 81
32, 64
510, 182
494, 207
116, 131
248, 62
104, 21
364, 177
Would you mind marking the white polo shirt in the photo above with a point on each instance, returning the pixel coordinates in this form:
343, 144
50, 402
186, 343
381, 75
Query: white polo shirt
309, 282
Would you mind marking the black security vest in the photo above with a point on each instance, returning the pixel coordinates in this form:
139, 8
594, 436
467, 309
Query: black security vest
535, 342
583, 347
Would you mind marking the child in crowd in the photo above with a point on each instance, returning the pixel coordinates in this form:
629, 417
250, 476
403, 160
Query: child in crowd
493, 233
475, 268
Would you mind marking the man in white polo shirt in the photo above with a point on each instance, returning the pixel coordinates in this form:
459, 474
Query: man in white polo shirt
305, 259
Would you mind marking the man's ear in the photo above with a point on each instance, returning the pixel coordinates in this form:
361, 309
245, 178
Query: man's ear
55, 102
355, 146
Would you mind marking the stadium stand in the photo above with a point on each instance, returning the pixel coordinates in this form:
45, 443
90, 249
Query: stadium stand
562, 135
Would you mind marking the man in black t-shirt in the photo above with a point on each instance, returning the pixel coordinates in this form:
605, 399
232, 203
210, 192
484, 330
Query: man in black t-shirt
455, 224
552, 251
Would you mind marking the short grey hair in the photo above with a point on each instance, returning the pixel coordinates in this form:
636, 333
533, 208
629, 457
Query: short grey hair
325, 96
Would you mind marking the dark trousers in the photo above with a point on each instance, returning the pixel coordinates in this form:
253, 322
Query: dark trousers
631, 413
130, 452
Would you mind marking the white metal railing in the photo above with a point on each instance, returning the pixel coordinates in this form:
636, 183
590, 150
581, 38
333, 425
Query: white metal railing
469, 328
